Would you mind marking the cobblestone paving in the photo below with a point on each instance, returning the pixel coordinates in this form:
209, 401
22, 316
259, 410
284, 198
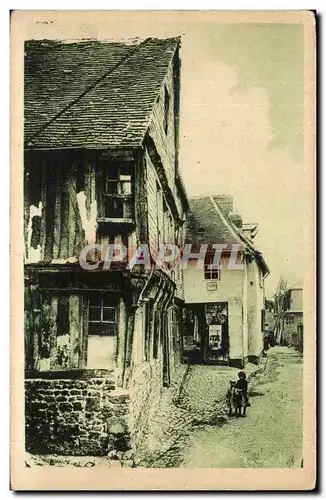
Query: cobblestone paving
168, 430
205, 389
270, 435
194, 401
201, 402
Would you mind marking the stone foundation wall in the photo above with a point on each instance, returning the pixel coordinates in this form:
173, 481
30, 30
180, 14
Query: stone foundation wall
145, 391
76, 416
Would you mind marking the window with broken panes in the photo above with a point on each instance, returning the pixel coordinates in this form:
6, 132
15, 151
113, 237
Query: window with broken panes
118, 191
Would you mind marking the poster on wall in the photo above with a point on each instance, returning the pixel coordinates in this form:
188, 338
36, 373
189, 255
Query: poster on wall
215, 337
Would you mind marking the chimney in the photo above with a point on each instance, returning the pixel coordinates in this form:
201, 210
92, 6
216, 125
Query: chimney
236, 220
224, 203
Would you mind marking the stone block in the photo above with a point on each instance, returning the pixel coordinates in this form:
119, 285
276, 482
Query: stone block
93, 403
117, 428
65, 407
77, 406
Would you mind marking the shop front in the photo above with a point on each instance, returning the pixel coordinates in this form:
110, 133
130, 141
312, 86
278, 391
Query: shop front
206, 333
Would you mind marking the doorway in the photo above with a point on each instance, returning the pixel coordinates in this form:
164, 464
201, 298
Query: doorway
216, 333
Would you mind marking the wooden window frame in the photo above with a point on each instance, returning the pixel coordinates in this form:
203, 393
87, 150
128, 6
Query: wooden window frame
102, 321
119, 175
211, 274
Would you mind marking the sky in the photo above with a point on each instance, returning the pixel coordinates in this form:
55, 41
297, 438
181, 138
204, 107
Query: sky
241, 123
242, 106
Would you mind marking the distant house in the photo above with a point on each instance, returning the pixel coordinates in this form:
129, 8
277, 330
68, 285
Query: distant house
224, 313
101, 167
269, 318
293, 317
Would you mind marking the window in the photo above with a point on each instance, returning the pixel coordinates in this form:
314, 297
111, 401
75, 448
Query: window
118, 191
102, 314
166, 110
210, 273
102, 339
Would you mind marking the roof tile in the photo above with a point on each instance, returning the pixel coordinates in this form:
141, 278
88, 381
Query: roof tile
92, 94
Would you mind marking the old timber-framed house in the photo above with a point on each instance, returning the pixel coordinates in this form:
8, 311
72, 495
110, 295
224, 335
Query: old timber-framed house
100, 166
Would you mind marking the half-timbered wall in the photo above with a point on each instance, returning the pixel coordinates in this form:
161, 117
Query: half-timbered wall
64, 204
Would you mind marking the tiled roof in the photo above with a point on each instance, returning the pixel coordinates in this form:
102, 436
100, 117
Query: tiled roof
92, 94
207, 225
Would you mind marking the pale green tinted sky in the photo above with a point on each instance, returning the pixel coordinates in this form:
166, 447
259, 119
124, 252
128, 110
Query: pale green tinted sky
270, 56
241, 124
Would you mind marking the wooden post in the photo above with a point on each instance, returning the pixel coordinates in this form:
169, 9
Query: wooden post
121, 333
50, 208
83, 304
74, 330
64, 215
130, 310
72, 211
48, 329
57, 214
137, 337
42, 166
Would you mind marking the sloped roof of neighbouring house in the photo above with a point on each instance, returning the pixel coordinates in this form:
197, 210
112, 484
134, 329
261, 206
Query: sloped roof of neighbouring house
206, 224
253, 251
92, 94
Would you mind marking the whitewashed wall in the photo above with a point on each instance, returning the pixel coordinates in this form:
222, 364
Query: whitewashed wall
229, 289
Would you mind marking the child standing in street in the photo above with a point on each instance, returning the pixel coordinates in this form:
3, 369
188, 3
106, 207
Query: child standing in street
243, 385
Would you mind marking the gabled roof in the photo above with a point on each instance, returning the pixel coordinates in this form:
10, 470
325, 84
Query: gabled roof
207, 225
92, 94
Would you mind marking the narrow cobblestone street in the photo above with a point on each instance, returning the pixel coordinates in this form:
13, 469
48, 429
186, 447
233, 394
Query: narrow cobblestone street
191, 427
195, 430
